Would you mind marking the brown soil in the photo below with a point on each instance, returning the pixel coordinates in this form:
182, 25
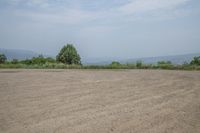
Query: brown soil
99, 101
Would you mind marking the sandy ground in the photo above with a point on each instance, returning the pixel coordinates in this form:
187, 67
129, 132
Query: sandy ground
99, 101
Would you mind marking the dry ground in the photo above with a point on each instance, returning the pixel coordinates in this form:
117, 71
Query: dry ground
99, 101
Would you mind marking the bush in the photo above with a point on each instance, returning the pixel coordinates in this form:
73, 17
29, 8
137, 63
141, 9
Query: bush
146, 66
165, 65
15, 61
131, 66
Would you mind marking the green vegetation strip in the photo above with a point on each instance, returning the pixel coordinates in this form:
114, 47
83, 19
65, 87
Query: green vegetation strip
68, 58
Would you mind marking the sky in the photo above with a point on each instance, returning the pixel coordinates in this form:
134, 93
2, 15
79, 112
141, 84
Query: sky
101, 29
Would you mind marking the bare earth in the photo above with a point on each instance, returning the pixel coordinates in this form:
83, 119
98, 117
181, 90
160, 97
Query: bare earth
99, 101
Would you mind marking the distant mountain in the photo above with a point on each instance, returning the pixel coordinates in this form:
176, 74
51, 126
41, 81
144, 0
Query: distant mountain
18, 54
175, 59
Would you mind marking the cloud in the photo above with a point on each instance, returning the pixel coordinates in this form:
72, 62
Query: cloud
142, 6
29, 3
77, 11
68, 16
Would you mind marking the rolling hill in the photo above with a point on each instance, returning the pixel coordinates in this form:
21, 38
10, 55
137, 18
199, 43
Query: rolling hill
175, 59
18, 54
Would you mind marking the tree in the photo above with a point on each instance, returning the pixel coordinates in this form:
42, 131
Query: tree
139, 64
2, 58
68, 55
195, 61
115, 63
164, 62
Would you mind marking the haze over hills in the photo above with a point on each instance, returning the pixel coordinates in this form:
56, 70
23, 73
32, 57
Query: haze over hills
18, 54
175, 59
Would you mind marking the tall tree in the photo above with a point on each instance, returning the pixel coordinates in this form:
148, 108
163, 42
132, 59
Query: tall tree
2, 58
195, 61
68, 55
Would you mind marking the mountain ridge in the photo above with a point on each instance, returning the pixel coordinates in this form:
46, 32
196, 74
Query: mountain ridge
175, 59
21, 54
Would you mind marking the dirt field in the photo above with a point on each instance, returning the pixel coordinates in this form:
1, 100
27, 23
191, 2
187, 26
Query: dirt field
99, 101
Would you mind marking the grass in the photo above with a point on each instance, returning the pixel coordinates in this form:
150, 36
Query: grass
111, 66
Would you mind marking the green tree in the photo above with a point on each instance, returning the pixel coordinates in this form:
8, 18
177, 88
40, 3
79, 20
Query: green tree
164, 62
2, 58
195, 61
139, 64
68, 55
115, 63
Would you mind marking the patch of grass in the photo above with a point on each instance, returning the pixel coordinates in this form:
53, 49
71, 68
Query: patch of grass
110, 66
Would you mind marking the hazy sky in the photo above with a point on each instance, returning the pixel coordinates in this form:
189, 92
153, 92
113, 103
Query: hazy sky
102, 28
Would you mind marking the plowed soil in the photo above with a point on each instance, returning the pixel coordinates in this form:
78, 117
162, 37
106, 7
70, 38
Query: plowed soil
99, 101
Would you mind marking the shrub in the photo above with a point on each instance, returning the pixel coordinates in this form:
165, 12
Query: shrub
165, 65
15, 61
131, 66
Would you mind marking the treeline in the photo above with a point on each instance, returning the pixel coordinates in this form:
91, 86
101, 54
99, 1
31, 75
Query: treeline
139, 65
68, 58
41, 62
